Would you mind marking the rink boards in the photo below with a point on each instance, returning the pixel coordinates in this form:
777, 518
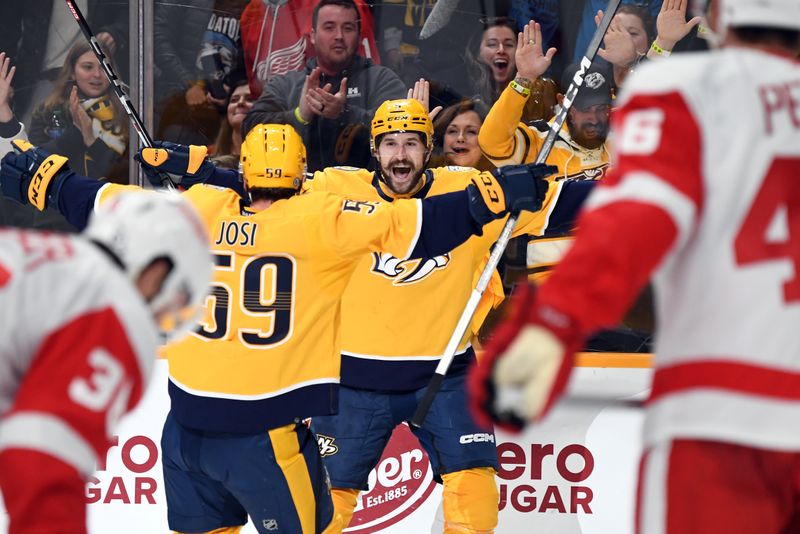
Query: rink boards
575, 473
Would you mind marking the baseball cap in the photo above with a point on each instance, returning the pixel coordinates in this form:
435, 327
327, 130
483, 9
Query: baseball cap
596, 88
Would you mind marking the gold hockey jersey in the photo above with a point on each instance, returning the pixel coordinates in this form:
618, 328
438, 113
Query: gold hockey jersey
398, 315
267, 351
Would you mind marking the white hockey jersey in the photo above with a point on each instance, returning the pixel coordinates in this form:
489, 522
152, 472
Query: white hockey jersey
77, 344
705, 194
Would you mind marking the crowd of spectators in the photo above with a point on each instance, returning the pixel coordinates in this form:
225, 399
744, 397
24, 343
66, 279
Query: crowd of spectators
323, 66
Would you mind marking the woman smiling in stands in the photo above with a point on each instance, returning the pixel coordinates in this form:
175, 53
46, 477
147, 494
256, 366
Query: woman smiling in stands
491, 66
229, 138
82, 120
456, 132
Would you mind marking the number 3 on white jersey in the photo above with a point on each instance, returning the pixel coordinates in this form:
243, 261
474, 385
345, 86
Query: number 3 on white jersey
103, 390
95, 393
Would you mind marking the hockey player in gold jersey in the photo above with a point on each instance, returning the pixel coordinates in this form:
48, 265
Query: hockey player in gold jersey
266, 354
397, 317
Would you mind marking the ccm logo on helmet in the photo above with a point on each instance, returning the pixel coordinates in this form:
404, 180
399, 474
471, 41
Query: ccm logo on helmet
481, 437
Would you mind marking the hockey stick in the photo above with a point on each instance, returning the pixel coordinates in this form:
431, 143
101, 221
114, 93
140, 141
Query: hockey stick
472, 304
138, 125
438, 17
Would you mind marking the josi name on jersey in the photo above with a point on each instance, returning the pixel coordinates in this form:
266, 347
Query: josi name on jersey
237, 233
402, 272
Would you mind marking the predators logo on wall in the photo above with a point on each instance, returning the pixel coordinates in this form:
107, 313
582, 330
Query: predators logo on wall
402, 272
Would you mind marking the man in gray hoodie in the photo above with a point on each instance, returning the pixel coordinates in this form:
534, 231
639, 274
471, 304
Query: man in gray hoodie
331, 103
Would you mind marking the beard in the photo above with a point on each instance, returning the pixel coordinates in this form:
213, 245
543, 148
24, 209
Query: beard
588, 135
401, 175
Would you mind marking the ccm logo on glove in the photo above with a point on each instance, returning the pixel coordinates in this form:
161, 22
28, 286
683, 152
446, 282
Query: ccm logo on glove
491, 192
41, 180
154, 156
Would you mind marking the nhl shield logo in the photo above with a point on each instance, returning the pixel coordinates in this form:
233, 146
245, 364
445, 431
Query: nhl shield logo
269, 524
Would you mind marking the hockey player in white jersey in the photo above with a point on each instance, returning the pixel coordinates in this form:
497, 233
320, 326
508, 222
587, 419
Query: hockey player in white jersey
705, 198
79, 322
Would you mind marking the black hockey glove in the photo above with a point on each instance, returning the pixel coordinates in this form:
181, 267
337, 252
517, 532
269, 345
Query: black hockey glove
32, 175
512, 188
186, 165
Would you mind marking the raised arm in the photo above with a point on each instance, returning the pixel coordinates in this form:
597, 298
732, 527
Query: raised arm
10, 127
414, 228
671, 26
502, 137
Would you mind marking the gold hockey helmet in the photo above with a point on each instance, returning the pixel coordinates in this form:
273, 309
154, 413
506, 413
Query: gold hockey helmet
273, 156
405, 115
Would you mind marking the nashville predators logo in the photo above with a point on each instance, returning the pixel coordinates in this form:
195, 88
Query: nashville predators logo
402, 272
596, 173
326, 446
